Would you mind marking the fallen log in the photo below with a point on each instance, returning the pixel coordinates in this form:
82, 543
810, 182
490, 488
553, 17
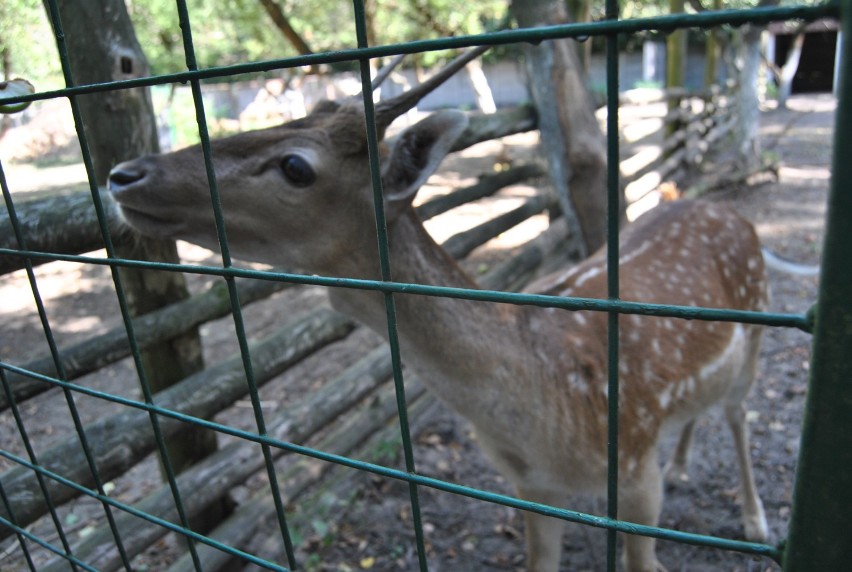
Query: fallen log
485, 127
120, 441
724, 178
487, 186
155, 327
213, 477
242, 525
64, 223
461, 244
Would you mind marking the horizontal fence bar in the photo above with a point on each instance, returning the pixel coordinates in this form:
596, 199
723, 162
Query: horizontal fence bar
525, 35
383, 471
800, 321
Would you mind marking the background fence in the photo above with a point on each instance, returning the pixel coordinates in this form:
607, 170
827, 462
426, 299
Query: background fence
821, 512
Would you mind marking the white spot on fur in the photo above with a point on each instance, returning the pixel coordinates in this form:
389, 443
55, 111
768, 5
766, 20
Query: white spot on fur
665, 397
628, 256
588, 275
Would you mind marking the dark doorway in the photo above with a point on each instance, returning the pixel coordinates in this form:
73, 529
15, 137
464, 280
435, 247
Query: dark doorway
816, 66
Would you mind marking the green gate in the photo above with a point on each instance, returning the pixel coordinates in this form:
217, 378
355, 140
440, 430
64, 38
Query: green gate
822, 513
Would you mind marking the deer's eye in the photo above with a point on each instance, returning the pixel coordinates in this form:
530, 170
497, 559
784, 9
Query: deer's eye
297, 170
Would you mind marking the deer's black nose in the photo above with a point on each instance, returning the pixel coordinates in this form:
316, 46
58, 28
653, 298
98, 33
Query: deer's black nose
123, 176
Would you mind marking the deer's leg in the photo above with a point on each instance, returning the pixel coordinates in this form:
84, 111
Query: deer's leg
754, 518
640, 502
676, 470
543, 533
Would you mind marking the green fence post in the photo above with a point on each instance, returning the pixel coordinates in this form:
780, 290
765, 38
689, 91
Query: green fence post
821, 523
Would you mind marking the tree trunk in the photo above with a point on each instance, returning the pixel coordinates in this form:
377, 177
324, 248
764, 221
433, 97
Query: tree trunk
747, 106
675, 63
213, 477
788, 70
570, 135
747, 131
484, 97
120, 125
711, 52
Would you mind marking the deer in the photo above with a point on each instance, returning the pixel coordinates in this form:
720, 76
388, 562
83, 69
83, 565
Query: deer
531, 381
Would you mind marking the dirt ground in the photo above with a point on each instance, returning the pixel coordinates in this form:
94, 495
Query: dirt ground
369, 527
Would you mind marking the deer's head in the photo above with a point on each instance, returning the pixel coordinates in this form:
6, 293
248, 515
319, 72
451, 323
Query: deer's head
297, 195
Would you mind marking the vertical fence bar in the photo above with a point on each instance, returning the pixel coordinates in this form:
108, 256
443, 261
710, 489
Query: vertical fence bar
821, 520
384, 258
233, 295
613, 221
69, 396
57, 524
8, 506
7, 196
56, 22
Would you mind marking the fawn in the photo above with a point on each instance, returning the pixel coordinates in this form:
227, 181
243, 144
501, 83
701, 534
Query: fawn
532, 381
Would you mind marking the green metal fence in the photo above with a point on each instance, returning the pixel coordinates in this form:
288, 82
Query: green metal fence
822, 513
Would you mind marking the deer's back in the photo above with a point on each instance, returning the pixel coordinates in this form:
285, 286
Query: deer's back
686, 253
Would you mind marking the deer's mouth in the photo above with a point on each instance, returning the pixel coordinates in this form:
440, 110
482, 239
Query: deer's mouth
150, 224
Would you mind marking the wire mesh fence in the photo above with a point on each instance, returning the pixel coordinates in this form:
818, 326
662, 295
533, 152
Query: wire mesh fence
832, 317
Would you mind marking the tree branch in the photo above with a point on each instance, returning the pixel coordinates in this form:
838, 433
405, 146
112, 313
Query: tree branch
283, 24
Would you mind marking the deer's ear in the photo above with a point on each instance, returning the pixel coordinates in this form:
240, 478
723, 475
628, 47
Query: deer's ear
416, 153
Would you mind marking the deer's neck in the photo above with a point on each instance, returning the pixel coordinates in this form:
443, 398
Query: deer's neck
446, 340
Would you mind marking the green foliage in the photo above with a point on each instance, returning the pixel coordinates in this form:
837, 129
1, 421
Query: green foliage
25, 44
231, 31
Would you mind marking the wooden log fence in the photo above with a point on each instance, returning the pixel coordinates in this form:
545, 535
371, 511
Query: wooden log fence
697, 123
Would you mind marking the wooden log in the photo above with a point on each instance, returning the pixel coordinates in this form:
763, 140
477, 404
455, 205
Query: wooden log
120, 441
60, 222
160, 325
487, 186
496, 125
461, 244
724, 178
243, 525
213, 477
325, 498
